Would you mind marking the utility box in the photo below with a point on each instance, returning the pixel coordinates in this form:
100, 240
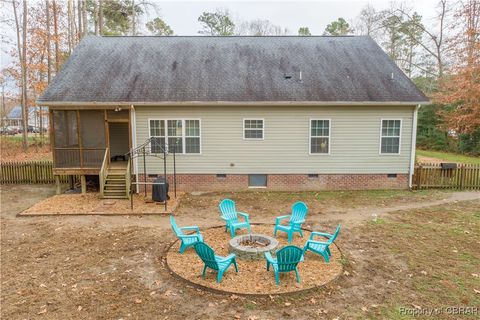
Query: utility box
448, 165
160, 190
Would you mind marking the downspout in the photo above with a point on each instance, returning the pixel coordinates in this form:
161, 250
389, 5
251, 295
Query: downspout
413, 146
134, 139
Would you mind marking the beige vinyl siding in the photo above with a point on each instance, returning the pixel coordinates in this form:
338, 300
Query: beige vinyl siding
354, 139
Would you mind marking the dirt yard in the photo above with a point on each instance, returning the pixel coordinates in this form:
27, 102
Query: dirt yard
421, 253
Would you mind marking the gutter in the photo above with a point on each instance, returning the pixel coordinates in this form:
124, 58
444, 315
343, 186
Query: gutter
68, 104
413, 146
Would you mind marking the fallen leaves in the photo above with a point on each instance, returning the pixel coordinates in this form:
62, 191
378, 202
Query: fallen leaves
43, 311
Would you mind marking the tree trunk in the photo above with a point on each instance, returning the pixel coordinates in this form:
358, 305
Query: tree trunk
4, 112
95, 17
49, 42
69, 26
84, 18
21, 52
100, 17
80, 29
24, 77
74, 23
55, 34
133, 18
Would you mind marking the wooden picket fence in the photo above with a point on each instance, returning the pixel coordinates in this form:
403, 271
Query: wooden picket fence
28, 172
430, 176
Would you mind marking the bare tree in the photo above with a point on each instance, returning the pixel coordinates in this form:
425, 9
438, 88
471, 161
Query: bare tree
22, 52
100, 17
134, 27
49, 41
69, 25
56, 40
84, 18
368, 22
95, 18
79, 8
433, 42
3, 82
260, 27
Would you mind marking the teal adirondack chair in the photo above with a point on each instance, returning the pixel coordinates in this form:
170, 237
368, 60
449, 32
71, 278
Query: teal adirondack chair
321, 247
188, 240
286, 260
212, 261
299, 213
230, 216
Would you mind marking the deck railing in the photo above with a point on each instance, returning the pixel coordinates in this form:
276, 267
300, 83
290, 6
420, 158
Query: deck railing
128, 179
78, 157
103, 170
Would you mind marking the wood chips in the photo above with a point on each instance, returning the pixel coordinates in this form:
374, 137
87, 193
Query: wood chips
91, 203
253, 278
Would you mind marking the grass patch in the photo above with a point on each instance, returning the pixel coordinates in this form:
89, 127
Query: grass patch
439, 247
453, 157
18, 139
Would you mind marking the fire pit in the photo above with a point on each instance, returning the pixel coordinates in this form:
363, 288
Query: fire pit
252, 246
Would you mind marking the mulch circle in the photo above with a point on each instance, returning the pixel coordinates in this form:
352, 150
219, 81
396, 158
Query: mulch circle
253, 279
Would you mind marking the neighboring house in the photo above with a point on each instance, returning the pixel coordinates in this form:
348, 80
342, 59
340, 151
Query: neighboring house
285, 113
14, 117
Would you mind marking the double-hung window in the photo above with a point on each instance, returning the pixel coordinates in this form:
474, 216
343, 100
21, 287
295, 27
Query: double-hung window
319, 136
390, 136
253, 129
179, 135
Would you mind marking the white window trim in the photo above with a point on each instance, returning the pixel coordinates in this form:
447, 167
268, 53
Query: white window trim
399, 140
310, 137
183, 153
263, 129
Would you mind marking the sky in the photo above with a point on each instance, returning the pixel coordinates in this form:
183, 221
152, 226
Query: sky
182, 16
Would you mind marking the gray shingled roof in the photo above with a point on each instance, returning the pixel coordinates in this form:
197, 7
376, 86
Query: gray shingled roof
237, 69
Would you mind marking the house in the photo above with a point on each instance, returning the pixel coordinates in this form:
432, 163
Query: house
14, 117
282, 113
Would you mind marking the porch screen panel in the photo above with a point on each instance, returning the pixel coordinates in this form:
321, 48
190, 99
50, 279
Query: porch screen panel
92, 133
66, 146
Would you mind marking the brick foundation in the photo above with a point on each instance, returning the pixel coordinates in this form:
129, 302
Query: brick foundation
287, 182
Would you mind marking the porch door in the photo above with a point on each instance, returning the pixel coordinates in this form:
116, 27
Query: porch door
118, 138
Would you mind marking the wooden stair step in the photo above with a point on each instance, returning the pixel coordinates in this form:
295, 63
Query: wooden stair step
114, 192
115, 197
115, 188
